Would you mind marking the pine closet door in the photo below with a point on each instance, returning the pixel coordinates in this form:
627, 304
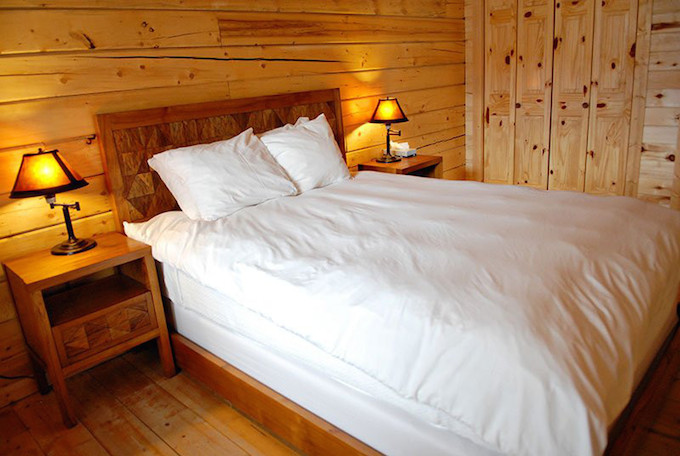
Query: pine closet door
573, 50
499, 90
534, 88
558, 92
611, 95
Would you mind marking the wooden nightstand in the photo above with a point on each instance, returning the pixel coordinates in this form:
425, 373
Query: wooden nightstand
72, 326
419, 165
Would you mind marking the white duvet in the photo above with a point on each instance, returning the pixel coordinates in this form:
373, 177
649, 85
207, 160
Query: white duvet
514, 317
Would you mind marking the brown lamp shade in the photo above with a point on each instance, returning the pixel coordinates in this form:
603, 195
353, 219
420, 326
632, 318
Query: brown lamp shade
45, 173
388, 111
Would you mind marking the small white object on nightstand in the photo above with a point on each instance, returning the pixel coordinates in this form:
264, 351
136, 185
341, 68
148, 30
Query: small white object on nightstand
402, 149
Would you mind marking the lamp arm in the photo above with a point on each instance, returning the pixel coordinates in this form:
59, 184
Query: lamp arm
390, 132
52, 200
69, 226
75, 205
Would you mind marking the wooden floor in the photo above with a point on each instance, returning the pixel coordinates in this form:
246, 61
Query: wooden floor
126, 407
660, 434
661, 430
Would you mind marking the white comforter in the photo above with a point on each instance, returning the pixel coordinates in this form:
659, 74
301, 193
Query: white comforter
516, 317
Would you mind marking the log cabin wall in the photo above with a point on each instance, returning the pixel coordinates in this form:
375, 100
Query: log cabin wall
660, 134
632, 133
64, 61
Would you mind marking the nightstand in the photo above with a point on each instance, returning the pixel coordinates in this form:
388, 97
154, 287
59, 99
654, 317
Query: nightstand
75, 314
419, 165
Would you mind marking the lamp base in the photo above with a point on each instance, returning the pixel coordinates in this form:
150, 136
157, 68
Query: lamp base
73, 246
388, 159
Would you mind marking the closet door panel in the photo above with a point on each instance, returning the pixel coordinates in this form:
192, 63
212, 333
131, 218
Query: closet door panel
611, 97
531, 148
573, 44
534, 89
499, 90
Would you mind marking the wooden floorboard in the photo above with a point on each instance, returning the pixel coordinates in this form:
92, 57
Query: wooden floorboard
243, 431
108, 419
126, 406
14, 435
41, 415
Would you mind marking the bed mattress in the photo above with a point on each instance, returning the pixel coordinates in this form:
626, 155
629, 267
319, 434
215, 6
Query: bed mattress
298, 370
516, 318
314, 380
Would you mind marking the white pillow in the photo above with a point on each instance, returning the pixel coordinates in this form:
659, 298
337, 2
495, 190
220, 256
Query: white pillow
308, 152
210, 181
165, 223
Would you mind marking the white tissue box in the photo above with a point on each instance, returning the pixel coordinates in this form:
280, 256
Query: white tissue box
404, 153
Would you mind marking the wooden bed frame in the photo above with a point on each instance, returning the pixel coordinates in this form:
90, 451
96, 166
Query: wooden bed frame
130, 138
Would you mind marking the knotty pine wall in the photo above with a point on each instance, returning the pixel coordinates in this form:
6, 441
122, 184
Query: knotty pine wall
64, 61
660, 161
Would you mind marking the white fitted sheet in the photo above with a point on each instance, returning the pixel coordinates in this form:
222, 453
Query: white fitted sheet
514, 317
306, 375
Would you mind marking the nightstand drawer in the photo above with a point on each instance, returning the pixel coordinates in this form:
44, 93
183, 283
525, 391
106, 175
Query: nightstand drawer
81, 339
84, 324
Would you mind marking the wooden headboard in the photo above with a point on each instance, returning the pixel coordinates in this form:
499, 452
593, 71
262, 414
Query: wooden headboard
129, 139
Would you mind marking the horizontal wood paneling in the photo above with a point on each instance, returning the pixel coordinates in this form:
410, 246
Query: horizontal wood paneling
358, 110
411, 8
47, 119
359, 84
43, 76
663, 42
267, 28
457, 173
64, 61
663, 98
660, 61
659, 79
662, 116
659, 142
75, 30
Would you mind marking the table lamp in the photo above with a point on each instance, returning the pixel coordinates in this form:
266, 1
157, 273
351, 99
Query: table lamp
46, 173
388, 112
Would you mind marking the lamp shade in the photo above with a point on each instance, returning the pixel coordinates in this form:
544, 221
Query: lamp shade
388, 111
45, 173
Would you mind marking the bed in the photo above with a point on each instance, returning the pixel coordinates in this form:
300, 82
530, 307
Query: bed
592, 309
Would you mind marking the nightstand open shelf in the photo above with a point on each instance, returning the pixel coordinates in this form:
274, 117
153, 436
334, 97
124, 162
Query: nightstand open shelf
74, 303
79, 310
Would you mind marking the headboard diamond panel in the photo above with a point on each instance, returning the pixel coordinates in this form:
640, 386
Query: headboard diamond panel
129, 139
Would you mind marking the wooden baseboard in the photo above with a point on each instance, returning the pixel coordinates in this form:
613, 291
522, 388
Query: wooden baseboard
287, 420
